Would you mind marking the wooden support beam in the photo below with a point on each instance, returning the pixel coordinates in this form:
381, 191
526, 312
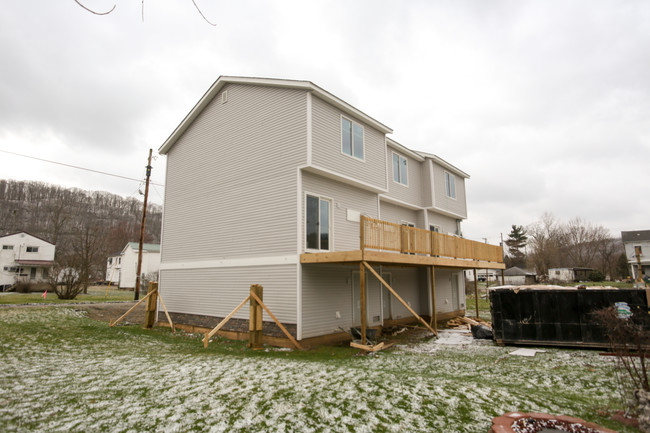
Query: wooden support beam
362, 294
503, 277
277, 322
476, 290
152, 305
169, 319
434, 316
408, 307
130, 309
209, 335
256, 320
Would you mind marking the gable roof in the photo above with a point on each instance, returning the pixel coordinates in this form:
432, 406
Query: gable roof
445, 164
150, 248
516, 272
27, 233
640, 235
269, 82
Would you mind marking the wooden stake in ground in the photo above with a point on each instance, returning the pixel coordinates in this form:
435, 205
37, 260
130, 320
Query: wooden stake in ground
209, 335
256, 320
152, 304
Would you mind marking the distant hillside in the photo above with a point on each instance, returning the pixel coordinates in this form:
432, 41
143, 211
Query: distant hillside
62, 215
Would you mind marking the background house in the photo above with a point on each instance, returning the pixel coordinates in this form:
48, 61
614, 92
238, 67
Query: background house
637, 241
518, 277
568, 275
24, 258
280, 183
121, 269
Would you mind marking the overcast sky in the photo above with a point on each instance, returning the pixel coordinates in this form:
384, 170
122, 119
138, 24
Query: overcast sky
546, 104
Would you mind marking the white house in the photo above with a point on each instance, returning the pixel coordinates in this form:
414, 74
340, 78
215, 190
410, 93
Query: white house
24, 258
281, 183
637, 242
569, 275
121, 269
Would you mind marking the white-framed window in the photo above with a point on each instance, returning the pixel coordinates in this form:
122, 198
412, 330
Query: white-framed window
400, 169
434, 228
7, 247
351, 138
31, 249
450, 185
318, 211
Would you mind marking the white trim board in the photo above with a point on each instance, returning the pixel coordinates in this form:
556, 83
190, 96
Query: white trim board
233, 263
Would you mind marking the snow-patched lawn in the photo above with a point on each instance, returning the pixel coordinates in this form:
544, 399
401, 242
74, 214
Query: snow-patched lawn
61, 371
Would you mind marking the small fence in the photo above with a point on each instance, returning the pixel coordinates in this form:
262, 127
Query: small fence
386, 236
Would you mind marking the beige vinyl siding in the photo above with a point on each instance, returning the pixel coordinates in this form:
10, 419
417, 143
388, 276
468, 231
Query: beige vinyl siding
345, 234
443, 290
231, 177
457, 206
326, 290
326, 146
217, 291
407, 283
447, 224
413, 193
397, 214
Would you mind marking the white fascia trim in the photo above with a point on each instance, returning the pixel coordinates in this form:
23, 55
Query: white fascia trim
405, 150
309, 128
401, 203
433, 184
270, 82
447, 213
342, 178
232, 263
445, 164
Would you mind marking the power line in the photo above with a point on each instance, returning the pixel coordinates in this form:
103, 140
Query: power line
79, 168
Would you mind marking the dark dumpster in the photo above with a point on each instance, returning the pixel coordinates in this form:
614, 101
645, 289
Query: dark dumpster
557, 317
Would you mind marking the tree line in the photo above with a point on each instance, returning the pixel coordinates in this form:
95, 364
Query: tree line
85, 226
551, 243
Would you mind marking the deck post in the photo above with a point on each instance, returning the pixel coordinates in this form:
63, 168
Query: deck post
362, 294
362, 233
434, 314
255, 322
152, 304
476, 290
503, 277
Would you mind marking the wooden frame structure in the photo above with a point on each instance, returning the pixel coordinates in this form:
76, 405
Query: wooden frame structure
386, 243
150, 316
255, 321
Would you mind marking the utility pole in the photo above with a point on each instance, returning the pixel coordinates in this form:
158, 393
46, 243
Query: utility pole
144, 219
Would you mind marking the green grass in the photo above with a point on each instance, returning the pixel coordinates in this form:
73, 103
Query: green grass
95, 294
63, 372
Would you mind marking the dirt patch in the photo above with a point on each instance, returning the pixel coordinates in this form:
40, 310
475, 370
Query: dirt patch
107, 311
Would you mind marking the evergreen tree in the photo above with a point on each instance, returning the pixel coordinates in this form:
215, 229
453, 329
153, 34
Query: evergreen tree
516, 244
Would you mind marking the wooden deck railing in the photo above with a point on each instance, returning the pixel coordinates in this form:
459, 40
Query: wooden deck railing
386, 236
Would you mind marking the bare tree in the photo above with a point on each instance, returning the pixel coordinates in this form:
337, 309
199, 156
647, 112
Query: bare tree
582, 241
543, 244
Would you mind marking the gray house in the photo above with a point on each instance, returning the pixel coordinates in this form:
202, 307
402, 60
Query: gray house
280, 183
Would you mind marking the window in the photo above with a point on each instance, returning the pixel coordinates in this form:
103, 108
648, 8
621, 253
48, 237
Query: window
450, 185
32, 249
7, 247
318, 223
400, 169
351, 138
434, 228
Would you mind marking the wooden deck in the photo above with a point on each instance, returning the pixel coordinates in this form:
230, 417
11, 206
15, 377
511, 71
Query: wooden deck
388, 243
